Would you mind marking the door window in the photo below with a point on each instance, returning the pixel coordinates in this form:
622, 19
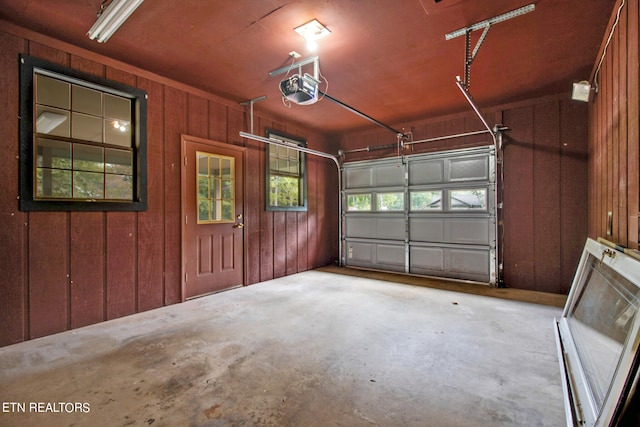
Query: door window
215, 182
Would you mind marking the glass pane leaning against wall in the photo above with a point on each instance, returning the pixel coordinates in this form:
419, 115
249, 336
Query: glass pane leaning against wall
597, 335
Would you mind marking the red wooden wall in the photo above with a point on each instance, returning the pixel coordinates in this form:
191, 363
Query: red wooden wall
614, 134
544, 187
63, 270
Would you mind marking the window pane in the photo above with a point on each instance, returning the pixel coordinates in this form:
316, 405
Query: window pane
390, 201
215, 210
227, 189
227, 210
119, 187
203, 210
203, 187
88, 185
214, 164
86, 128
85, 100
52, 92
283, 166
284, 191
227, 167
426, 200
468, 199
117, 107
359, 202
203, 165
52, 121
118, 161
294, 168
53, 183
117, 132
215, 188
53, 154
88, 158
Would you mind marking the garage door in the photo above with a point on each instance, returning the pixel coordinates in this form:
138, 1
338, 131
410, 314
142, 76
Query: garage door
428, 214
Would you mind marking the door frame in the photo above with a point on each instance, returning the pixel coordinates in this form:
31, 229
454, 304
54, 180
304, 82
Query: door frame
184, 140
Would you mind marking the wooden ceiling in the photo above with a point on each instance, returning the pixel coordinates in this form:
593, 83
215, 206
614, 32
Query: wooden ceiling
387, 58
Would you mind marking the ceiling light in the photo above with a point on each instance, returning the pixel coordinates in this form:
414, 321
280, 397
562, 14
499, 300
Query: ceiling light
581, 91
312, 31
111, 18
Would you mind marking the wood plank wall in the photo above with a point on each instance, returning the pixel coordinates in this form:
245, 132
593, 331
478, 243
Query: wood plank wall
614, 133
544, 186
64, 270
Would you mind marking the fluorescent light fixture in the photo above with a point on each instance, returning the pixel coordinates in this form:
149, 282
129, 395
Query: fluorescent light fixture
581, 91
312, 31
111, 18
48, 121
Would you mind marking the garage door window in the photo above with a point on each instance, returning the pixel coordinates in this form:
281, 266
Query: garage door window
390, 201
426, 200
472, 199
359, 202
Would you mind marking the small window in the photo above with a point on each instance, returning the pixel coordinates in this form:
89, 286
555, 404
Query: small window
426, 200
390, 201
286, 183
359, 202
215, 177
475, 199
82, 141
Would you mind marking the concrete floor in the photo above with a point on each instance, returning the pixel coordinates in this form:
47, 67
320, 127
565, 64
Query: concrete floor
312, 349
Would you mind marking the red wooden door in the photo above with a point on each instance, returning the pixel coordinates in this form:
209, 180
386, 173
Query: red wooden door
212, 209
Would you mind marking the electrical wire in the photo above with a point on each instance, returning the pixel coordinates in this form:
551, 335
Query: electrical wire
327, 84
606, 45
285, 101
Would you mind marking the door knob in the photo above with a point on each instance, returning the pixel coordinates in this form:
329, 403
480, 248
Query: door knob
239, 225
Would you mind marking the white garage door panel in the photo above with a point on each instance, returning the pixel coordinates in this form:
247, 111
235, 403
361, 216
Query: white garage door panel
469, 261
426, 229
467, 264
375, 228
431, 225
361, 252
473, 231
426, 172
427, 258
389, 175
388, 254
361, 227
358, 178
391, 228
376, 255
469, 169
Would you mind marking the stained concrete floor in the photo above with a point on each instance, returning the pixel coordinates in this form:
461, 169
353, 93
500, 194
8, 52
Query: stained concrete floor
312, 349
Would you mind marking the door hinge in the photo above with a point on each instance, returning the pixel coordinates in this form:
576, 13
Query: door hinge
185, 160
186, 219
186, 277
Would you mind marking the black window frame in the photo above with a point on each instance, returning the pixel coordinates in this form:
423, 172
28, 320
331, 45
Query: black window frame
282, 136
28, 66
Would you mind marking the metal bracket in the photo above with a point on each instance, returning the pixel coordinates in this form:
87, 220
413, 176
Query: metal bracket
250, 104
469, 56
